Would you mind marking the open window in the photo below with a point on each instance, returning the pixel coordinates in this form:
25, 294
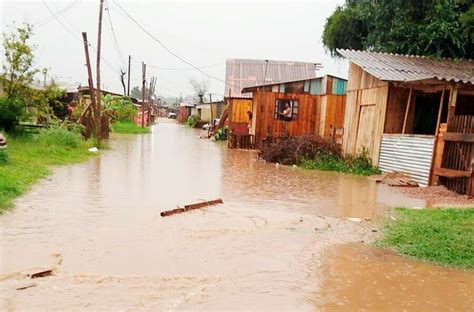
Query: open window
415, 113
286, 110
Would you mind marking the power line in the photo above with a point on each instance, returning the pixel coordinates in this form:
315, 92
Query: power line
168, 50
113, 34
50, 18
74, 35
186, 68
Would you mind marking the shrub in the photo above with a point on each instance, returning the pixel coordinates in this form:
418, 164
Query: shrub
192, 121
221, 134
293, 150
316, 153
119, 108
10, 111
361, 164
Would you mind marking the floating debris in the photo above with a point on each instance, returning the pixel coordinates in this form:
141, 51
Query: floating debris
191, 207
42, 274
27, 286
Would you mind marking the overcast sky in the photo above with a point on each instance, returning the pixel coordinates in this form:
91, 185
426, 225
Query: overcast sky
204, 33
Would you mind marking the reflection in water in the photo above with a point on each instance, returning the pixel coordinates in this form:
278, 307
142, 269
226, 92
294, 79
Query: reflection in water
362, 278
257, 250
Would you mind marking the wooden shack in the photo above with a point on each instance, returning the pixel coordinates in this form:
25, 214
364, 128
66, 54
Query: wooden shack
184, 111
242, 73
413, 115
317, 108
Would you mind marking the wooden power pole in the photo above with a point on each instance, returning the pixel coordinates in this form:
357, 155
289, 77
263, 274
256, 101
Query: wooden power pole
89, 74
98, 122
128, 83
143, 93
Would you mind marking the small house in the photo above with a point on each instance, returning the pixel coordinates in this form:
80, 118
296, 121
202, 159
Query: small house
315, 107
242, 73
414, 115
184, 111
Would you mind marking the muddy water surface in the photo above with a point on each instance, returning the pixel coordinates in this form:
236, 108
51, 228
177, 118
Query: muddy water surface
363, 278
98, 226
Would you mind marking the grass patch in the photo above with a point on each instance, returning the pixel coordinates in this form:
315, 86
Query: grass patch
128, 127
31, 156
360, 165
441, 236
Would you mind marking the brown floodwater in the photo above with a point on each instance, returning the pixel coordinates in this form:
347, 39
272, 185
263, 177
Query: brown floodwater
98, 226
363, 278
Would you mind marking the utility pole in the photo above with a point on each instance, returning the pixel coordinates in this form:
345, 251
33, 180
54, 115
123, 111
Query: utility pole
45, 72
89, 74
143, 93
128, 83
210, 104
149, 99
98, 110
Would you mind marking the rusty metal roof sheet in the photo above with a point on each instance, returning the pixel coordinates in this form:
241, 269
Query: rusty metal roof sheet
396, 67
251, 88
241, 73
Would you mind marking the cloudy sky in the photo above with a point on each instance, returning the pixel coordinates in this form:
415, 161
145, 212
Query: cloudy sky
203, 33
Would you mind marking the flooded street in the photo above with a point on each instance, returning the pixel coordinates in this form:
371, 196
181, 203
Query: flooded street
98, 225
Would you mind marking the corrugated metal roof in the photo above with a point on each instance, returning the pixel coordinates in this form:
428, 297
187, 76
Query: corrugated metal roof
395, 67
241, 73
251, 88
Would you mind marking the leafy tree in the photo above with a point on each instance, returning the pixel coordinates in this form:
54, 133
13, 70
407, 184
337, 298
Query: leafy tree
438, 28
21, 100
18, 71
136, 92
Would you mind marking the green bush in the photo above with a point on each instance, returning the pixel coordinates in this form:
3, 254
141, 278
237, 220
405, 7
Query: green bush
192, 121
361, 164
221, 134
119, 108
10, 111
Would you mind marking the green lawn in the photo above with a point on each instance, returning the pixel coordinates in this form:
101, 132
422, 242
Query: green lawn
441, 236
30, 158
128, 128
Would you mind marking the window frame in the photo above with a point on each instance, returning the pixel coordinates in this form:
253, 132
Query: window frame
280, 104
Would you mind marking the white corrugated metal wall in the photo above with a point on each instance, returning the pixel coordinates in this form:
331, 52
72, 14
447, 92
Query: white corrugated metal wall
409, 154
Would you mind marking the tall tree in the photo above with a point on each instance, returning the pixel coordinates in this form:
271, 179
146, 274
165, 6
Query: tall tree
438, 28
200, 88
18, 71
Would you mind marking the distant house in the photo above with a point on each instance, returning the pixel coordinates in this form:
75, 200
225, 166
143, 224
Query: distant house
184, 111
243, 73
317, 108
414, 115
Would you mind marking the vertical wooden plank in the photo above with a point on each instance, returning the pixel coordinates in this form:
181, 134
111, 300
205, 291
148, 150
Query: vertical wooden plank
382, 99
408, 109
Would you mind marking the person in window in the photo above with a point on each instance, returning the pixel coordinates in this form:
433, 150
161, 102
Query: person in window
286, 114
